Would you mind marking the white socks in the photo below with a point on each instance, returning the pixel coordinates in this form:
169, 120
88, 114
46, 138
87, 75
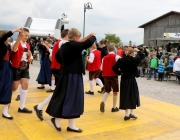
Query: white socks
44, 103
72, 124
126, 113
132, 111
5, 111
114, 101
42, 85
23, 95
20, 89
99, 82
52, 84
91, 86
57, 122
105, 95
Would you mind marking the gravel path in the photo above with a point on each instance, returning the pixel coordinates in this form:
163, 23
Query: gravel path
167, 91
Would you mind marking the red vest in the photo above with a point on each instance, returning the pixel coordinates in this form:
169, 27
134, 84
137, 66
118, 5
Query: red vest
17, 56
96, 64
107, 65
54, 63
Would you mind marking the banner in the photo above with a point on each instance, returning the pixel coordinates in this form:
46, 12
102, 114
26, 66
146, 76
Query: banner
171, 35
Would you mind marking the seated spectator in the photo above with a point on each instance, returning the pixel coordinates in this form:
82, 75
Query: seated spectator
176, 67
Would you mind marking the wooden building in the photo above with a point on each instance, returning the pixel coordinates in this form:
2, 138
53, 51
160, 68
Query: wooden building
154, 30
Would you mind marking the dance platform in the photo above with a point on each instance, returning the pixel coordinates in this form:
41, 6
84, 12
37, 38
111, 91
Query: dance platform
156, 121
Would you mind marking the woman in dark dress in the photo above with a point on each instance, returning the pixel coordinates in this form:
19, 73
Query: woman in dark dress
44, 76
68, 98
129, 92
6, 71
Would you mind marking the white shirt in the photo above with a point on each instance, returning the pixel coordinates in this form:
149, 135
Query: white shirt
24, 56
91, 56
116, 59
176, 66
60, 44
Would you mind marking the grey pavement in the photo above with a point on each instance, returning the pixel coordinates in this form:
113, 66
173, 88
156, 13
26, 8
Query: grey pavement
167, 91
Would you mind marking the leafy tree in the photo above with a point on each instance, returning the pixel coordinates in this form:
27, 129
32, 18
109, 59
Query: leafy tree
113, 38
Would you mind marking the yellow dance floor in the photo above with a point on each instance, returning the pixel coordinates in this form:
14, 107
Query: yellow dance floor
156, 121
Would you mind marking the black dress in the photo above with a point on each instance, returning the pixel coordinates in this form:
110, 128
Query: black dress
6, 79
68, 98
129, 92
45, 73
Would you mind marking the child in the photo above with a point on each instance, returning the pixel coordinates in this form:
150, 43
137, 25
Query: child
110, 77
160, 70
94, 64
153, 66
44, 76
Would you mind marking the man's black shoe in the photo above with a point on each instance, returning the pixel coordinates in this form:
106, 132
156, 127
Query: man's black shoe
24, 110
73, 130
114, 109
102, 90
90, 92
38, 113
18, 98
50, 90
40, 87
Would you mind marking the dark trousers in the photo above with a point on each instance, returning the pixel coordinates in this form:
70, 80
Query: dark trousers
160, 76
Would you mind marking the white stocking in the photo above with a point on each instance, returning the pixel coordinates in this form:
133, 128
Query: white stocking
44, 103
5, 111
23, 95
20, 89
126, 113
99, 82
114, 101
132, 111
52, 84
91, 86
72, 124
105, 95
57, 122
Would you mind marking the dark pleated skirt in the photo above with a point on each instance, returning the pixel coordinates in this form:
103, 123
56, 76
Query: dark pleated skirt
68, 98
6, 80
129, 94
44, 76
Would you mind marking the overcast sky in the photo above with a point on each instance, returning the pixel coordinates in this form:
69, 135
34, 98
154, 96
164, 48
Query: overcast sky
107, 16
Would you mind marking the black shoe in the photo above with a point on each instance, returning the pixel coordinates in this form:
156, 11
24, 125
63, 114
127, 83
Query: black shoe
73, 130
10, 118
53, 122
50, 90
126, 118
40, 87
132, 116
102, 105
24, 110
18, 98
90, 92
38, 113
114, 109
102, 90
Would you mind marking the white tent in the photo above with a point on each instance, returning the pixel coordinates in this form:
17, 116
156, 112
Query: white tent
45, 27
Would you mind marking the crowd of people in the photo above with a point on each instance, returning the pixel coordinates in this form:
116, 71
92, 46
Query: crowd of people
62, 63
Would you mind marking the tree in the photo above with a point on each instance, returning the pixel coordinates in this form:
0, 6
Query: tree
113, 38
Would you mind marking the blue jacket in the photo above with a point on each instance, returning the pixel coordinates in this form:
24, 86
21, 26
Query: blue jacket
161, 68
171, 63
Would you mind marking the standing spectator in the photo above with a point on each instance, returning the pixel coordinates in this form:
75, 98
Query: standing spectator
142, 66
176, 67
153, 66
178, 51
120, 51
159, 52
160, 70
32, 46
40, 50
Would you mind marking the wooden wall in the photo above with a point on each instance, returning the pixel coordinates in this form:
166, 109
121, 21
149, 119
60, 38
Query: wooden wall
167, 24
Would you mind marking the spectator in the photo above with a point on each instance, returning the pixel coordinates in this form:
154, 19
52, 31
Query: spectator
176, 67
160, 70
153, 66
120, 51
